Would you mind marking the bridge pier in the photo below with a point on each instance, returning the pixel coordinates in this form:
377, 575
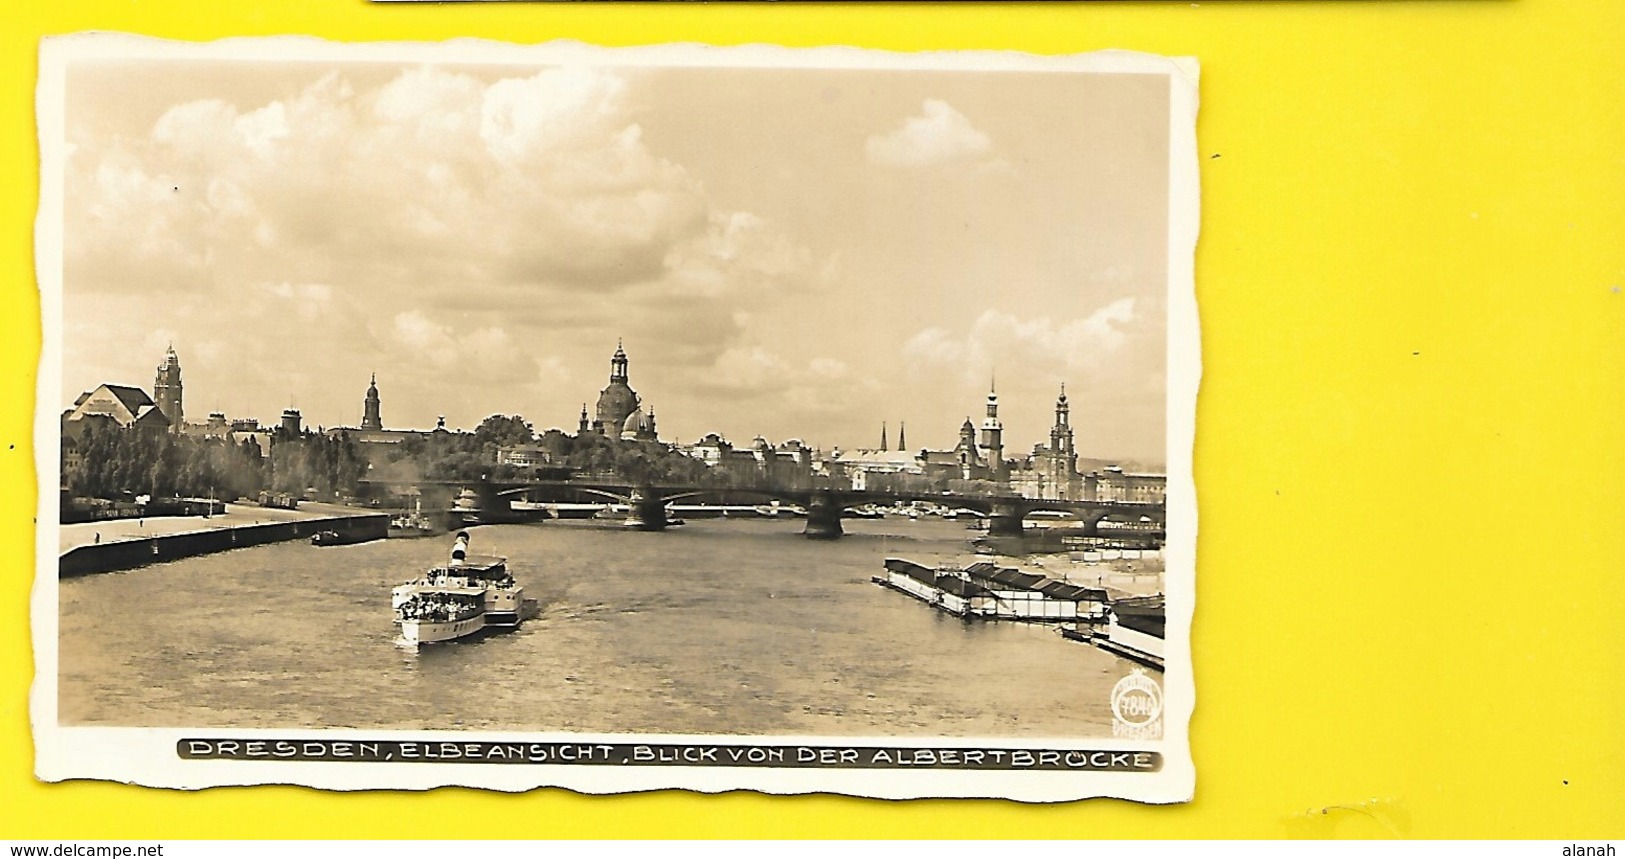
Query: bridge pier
823, 518
646, 511
1005, 521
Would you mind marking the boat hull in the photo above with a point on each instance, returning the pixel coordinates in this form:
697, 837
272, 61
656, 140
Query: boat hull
468, 596
433, 631
504, 607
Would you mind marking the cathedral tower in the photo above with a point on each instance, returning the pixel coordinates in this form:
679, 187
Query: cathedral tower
372, 412
166, 390
993, 438
1060, 461
1060, 435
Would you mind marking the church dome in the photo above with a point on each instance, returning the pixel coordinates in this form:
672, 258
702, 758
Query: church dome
616, 404
636, 426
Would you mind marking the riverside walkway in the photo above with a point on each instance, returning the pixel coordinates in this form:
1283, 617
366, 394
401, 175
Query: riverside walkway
236, 516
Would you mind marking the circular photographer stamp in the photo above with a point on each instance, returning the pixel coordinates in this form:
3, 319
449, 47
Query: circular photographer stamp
1137, 707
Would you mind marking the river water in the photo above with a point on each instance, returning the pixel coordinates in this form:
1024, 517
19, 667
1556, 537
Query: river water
717, 627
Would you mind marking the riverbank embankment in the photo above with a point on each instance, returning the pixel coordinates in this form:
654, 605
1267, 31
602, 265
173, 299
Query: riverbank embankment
107, 546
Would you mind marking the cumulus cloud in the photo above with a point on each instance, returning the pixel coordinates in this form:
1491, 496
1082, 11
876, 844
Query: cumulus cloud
446, 350
1112, 361
429, 183
938, 135
480, 232
737, 253
793, 391
1077, 347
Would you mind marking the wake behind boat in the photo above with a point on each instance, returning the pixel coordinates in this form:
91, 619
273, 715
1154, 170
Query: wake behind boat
468, 595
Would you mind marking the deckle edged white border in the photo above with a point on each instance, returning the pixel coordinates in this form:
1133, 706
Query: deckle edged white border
148, 756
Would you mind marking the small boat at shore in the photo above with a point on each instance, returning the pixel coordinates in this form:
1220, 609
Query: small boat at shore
407, 527
334, 538
470, 594
778, 510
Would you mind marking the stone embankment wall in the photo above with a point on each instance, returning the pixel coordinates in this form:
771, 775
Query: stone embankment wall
127, 554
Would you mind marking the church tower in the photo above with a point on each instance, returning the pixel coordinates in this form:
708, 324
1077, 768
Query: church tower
1062, 458
166, 390
967, 450
372, 412
617, 401
1060, 435
967, 436
902, 437
617, 364
993, 438
882, 436
585, 426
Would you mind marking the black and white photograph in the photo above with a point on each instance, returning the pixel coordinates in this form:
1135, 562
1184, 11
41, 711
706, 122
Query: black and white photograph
506, 416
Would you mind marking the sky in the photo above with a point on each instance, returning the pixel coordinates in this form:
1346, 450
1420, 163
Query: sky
800, 253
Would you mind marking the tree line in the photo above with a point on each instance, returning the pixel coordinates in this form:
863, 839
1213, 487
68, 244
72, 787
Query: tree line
103, 460
108, 461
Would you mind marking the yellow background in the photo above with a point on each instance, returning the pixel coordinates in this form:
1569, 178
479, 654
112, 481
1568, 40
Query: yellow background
1411, 442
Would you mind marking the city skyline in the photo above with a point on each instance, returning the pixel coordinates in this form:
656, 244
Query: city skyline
167, 391
483, 235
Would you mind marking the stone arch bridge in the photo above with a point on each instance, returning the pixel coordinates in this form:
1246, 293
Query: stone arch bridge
646, 502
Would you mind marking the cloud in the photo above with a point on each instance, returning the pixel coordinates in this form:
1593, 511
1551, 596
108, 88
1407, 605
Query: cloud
308, 300
481, 232
792, 391
451, 352
938, 135
737, 253
1079, 347
434, 181
1112, 361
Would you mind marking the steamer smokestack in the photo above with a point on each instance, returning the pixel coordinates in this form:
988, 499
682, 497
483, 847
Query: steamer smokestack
459, 549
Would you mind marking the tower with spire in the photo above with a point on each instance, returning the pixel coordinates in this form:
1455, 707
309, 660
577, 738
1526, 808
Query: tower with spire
166, 390
372, 416
617, 401
1059, 461
902, 439
993, 436
883, 436
1060, 435
586, 425
617, 363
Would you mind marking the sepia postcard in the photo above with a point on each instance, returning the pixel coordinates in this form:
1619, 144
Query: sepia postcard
511, 416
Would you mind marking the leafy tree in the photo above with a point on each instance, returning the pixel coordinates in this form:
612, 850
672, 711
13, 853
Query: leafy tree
504, 431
